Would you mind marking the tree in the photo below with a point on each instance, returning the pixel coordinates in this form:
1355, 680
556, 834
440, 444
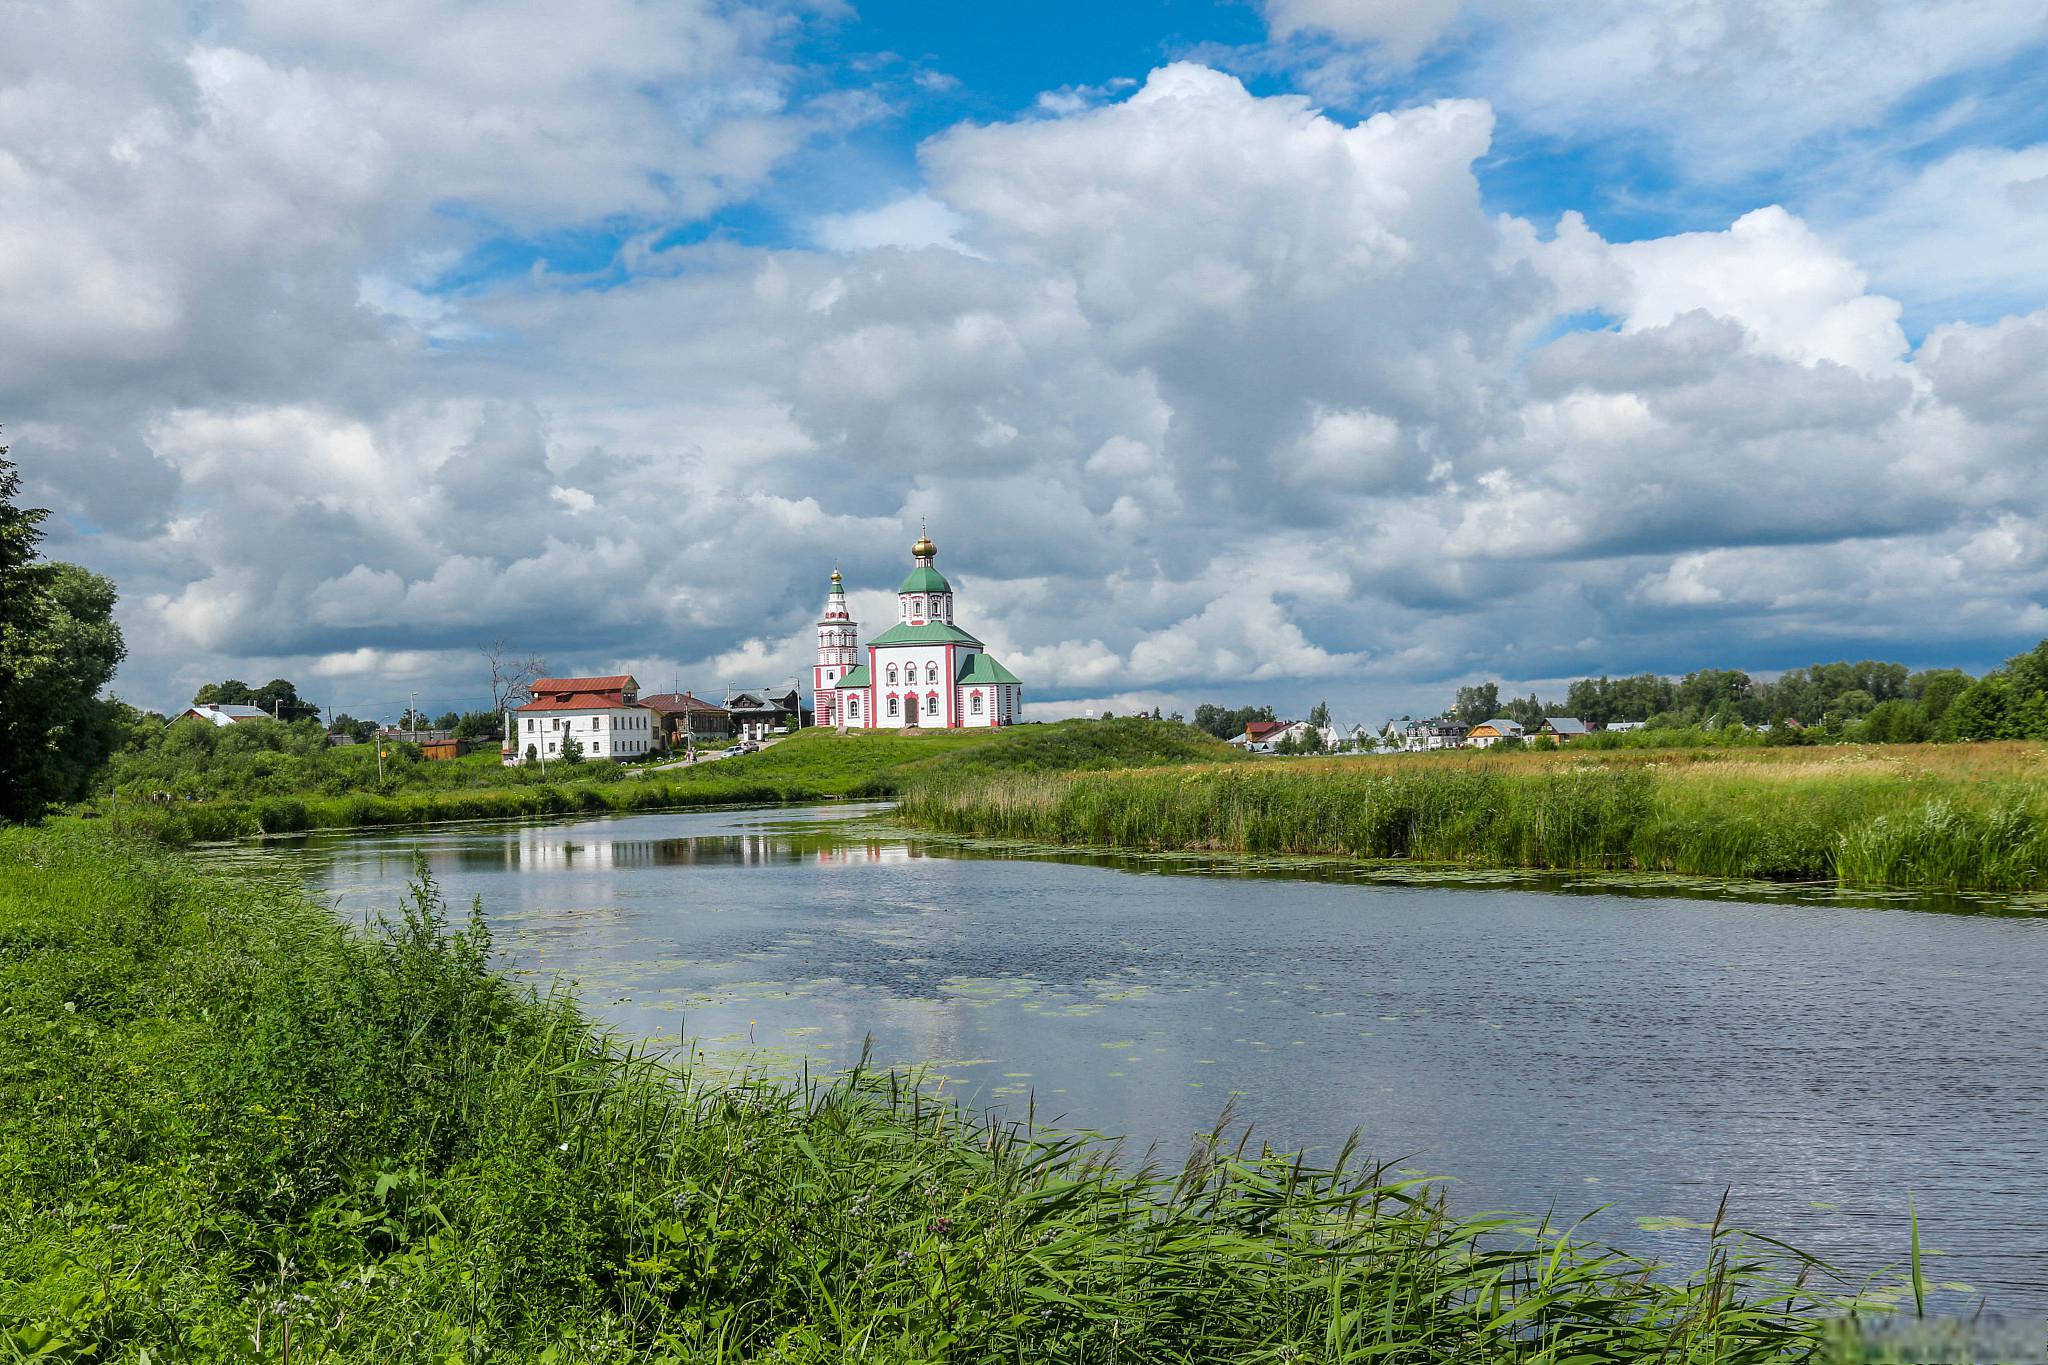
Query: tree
1476, 704
278, 698
345, 724
572, 748
510, 676
1319, 715
58, 647
1936, 690
1226, 722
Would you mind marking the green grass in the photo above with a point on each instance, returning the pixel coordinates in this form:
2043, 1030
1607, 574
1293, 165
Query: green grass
1954, 818
238, 1131
813, 765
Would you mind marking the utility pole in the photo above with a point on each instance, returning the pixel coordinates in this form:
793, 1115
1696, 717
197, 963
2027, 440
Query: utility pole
413, 710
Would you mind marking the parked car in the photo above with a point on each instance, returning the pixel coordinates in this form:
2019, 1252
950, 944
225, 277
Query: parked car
734, 752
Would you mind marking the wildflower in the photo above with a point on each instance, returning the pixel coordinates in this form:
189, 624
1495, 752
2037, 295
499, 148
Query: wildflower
939, 1227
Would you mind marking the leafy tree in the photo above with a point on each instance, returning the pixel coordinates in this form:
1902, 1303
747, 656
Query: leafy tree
447, 720
278, 697
479, 725
1896, 721
1983, 710
345, 724
1526, 712
572, 748
1319, 715
1476, 704
58, 647
1936, 690
1228, 723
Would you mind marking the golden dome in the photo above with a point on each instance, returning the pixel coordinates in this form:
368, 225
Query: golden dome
924, 549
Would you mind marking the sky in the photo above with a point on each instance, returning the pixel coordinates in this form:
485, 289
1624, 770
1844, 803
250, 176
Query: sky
1243, 351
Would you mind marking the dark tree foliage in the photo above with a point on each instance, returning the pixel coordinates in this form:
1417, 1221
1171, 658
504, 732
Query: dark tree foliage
1868, 701
1476, 704
279, 697
1227, 722
346, 724
58, 647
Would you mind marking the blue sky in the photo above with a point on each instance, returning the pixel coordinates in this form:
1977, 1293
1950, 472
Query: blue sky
918, 69
1267, 350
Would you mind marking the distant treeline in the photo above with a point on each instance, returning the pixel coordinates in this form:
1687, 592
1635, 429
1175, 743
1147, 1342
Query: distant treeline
1868, 701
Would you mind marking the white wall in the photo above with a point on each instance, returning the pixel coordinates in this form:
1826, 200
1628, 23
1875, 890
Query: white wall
608, 732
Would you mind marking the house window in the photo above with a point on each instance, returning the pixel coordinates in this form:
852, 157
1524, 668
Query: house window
975, 704
529, 725
892, 704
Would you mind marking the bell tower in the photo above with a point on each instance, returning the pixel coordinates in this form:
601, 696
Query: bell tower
838, 651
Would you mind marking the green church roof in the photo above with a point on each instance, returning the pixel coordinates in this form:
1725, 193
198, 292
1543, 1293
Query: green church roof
924, 578
930, 633
983, 669
857, 676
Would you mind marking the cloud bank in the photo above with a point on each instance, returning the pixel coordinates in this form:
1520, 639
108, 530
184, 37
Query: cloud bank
1205, 394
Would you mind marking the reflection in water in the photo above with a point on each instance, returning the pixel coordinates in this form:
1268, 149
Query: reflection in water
1636, 1046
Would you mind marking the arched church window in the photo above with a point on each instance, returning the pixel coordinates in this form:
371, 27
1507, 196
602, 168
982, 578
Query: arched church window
931, 704
931, 672
892, 673
892, 706
975, 705
853, 706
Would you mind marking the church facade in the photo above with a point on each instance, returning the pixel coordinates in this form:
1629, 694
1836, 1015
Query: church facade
922, 672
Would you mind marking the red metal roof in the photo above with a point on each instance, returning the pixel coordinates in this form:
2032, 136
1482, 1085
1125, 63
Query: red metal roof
577, 701
612, 683
1259, 729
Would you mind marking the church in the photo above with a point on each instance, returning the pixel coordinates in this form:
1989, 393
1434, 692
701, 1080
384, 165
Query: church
923, 671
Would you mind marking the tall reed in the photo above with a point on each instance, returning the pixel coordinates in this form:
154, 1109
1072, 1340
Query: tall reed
1860, 823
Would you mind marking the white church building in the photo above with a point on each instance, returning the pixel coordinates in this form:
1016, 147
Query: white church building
923, 671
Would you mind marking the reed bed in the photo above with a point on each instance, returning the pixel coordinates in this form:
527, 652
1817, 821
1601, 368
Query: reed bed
255, 1135
1918, 816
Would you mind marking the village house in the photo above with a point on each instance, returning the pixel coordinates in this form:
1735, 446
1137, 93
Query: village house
684, 721
1263, 734
603, 715
1488, 733
764, 711
1422, 736
1563, 728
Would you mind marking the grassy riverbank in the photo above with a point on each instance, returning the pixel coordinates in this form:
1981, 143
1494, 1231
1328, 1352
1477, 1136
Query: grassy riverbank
815, 765
1953, 817
240, 1132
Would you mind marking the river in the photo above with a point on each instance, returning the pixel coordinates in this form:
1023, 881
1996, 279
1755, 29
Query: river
1632, 1049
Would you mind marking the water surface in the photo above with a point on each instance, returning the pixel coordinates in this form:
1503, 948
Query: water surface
1633, 1049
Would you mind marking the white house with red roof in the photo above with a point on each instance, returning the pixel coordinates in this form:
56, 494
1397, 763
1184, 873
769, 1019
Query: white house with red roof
922, 672
604, 715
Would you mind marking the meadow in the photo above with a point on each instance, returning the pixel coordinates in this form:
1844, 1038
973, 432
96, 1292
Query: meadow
245, 1131
1944, 817
250, 792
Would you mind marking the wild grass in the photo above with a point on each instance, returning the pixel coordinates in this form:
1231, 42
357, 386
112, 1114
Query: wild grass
1948, 817
239, 1131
